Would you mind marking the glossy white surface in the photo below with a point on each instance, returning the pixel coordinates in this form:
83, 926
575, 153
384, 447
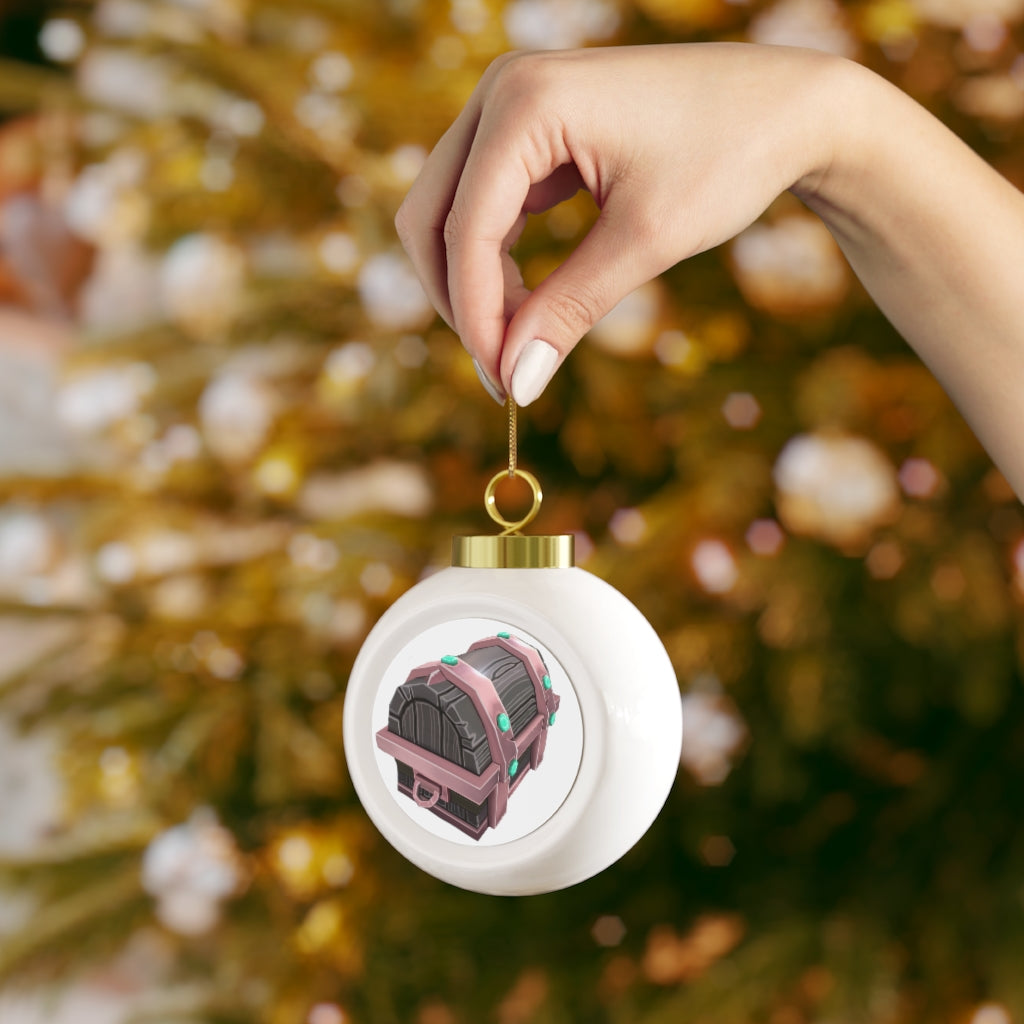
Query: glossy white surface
629, 703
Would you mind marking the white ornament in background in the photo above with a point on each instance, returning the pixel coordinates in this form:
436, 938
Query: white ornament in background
628, 526
236, 412
714, 735
339, 252
36, 443
331, 71
162, 552
236, 115
190, 870
991, 1013
37, 566
316, 554
29, 545
122, 19
152, 87
201, 283
791, 264
815, 24
959, 13
376, 579
627, 329
122, 293
714, 566
559, 24
31, 792
985, 32
76, 1005
389, 487
96, 399
334, 119
998, 97
226, 18
105, 204
347, 621
181, 443
116, 562
279, 356
122, 79
62, 40
180, 598
133, 985
835, 487
350, 363
470, 17
392, 294
326, 1013
133, 19
406, 162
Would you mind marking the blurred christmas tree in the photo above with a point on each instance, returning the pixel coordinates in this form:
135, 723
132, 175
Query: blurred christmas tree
269, 437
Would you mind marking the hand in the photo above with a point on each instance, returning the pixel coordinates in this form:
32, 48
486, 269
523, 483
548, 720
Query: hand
681, 147
684, 146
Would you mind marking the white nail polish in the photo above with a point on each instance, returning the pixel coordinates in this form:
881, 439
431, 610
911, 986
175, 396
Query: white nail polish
534, 369
489, 386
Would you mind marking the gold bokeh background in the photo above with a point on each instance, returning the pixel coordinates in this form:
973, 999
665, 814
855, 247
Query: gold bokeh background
234, 433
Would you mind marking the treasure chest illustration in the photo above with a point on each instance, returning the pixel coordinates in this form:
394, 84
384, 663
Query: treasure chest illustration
466, 730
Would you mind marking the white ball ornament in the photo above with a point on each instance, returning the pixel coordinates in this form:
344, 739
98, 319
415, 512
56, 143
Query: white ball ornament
513, 723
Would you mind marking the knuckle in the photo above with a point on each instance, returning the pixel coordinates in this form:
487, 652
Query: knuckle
577, 311
510, 67
500, 62
454, 228
521, 82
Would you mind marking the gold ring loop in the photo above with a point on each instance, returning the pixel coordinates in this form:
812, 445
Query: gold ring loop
490, 503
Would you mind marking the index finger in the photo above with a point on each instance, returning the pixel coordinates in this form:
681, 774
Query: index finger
421, 217
504, 163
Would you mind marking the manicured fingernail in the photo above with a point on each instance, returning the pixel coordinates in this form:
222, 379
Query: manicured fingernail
534, 369
489, 386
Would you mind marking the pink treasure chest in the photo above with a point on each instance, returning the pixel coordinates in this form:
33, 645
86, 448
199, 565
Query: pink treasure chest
466, 730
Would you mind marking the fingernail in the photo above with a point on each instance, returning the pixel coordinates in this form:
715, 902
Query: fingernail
489, 386
534, 369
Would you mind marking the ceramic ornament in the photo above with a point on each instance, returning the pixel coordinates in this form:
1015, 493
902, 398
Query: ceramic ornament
512, 723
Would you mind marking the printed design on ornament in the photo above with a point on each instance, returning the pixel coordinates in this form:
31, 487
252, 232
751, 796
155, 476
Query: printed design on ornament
465, 730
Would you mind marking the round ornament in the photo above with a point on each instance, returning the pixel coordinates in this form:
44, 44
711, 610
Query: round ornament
512, 723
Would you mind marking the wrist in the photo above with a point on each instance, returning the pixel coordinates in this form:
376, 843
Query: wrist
844, 104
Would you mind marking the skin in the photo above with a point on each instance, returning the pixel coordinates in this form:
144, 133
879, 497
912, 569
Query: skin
682, 147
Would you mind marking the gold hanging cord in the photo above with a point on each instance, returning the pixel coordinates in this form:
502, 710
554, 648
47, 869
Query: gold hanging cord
512, 527
510, 549
513, 435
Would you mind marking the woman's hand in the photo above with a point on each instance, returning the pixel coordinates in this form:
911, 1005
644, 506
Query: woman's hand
680, 146
684, 146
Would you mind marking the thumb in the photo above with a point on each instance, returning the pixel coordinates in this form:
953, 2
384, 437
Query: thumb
607, 265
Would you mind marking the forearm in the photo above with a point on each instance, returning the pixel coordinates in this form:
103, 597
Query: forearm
937, 238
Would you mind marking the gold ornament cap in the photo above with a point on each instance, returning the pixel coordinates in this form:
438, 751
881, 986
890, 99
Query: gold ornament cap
514, 551
510, 549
